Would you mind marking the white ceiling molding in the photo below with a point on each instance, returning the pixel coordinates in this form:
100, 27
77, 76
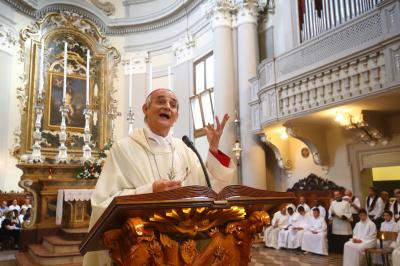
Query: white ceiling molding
106, 7
110, 26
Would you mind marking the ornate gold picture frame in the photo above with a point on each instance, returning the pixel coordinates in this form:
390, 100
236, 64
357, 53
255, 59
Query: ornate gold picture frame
81, 35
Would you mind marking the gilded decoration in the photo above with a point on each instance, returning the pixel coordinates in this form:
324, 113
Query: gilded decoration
153, 241
82, 35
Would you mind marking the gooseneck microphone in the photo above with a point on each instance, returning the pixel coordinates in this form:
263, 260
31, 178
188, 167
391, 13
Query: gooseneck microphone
190, 144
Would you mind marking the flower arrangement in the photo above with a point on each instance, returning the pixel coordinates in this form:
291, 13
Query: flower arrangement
92, 169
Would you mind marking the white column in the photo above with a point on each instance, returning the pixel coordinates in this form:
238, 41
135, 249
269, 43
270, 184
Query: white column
219, 12
253, 154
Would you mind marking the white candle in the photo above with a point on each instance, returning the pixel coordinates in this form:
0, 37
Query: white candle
150, 78
169, 78
41, 67
87, 77
130, 90
65, 70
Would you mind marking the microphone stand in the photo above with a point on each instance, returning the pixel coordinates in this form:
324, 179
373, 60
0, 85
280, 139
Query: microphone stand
190, 144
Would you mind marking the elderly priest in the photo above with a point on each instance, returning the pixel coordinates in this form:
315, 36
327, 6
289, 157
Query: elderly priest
152, 160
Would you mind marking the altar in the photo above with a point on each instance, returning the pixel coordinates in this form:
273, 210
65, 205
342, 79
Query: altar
73, 207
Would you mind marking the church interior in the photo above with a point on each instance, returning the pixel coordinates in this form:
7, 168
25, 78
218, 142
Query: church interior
311, 87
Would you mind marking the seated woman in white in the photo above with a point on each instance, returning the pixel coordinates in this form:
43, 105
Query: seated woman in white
284, 232
279, 221
364, 237
295, 235
314, 237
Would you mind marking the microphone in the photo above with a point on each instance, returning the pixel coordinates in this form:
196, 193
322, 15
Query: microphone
190, 144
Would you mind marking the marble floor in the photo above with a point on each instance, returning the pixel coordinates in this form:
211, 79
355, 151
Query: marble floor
260, 256
271, 257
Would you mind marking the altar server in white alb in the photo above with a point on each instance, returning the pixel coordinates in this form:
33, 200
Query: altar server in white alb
302, 202
339, 215
152, 160
295, 235
279, 221
364, 237
315, 236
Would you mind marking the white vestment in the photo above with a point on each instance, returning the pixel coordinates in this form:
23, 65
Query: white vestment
335, 213
295, 236
396, 252
305, 206
322, 211
390, 226
135, 162
315, 236
279, 221
284, 232
357, 203
378, 209
354, 252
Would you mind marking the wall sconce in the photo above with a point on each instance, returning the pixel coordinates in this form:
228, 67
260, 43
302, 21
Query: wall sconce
237, 150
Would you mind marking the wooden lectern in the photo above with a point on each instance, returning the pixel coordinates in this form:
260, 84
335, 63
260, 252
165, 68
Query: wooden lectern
173, 227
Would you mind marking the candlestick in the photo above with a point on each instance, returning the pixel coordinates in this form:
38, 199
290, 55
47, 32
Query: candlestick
87, 77
65, 70
41, 67
130, 90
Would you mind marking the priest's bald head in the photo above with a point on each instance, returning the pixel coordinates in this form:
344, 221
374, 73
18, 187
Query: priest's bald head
161, 111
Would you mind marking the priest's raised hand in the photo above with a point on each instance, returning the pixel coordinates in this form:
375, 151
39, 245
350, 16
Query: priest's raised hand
214, 133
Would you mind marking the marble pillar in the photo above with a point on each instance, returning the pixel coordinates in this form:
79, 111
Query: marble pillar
220, 14
253, 154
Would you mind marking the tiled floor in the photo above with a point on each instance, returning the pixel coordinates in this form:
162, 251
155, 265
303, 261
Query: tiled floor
271, 257
260, 256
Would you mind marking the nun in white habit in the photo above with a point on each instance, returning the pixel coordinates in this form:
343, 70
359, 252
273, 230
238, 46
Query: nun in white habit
314, 237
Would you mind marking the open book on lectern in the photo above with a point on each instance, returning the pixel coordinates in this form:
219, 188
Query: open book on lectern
146, 205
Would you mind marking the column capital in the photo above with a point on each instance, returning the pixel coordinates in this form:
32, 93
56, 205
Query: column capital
219, 12
135, 62
183, 49
247, 11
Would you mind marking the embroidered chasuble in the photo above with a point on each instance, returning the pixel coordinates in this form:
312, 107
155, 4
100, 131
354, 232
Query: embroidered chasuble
134, 163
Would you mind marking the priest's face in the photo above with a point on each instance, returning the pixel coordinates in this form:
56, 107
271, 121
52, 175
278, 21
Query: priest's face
315, 214
161, 111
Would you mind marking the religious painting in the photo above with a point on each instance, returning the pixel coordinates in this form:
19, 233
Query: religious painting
75, 100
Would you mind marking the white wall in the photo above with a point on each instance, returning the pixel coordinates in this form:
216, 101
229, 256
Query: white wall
9, 112
339, 170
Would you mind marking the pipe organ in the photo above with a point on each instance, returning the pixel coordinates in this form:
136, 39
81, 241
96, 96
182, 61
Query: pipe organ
322, 15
